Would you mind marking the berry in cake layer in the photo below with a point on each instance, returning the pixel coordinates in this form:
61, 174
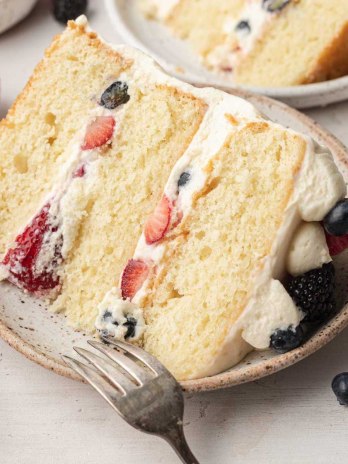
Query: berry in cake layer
262, 42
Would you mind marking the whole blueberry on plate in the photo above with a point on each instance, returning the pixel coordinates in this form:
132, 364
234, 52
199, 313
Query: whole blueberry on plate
284, 340
336, 221
340, 388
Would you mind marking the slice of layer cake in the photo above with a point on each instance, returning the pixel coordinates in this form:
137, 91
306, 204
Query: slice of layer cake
262, 42
227, 206
85, 153
223, 260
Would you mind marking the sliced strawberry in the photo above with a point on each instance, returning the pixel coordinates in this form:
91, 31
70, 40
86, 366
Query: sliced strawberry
21, 260
98, 132
336, 244
80, 171
133, 277
157, 224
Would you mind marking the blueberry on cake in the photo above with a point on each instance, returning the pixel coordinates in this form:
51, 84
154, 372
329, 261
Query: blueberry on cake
262, 42
173, 217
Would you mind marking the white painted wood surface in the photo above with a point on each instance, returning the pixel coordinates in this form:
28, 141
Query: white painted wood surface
288, 418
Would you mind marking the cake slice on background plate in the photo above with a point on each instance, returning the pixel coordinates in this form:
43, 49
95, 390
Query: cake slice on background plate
102, 147
267, 43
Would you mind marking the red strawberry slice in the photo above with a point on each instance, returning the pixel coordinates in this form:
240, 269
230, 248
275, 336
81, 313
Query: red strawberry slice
21, 260
336, 244
157, 224
80, 171
98, 132
133, 277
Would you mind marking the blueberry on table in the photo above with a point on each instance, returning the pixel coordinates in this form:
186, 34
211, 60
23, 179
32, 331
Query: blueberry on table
340, 388
313, 293
336, 221
64, 10
115, 95
274, 5
283, 341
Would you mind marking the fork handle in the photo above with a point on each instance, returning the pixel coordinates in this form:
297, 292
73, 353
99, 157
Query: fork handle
177, 440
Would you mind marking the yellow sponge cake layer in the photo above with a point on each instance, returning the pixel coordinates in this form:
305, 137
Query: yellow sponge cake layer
44, 119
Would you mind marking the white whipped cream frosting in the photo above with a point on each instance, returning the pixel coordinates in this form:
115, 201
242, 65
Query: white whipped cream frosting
114, 308
308, 249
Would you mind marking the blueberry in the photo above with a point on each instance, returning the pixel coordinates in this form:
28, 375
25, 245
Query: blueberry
336, 221
243, 26
104, 333
274, 5
340, 388
286, 340
64, 10
184, 178
107, 315
130, 324
115, 95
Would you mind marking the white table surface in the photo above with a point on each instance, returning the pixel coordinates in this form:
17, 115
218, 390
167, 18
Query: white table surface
288, 418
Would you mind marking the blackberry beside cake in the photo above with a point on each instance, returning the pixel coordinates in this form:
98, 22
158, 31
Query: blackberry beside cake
262, 42
173, 217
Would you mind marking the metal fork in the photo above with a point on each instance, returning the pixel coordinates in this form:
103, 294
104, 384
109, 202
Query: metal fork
147, 396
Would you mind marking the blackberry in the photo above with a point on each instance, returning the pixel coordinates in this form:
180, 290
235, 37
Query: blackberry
340, 388
115, 95
64, 10
287, 340
184, 178
336, 221
313, 293
274, 5
243, 26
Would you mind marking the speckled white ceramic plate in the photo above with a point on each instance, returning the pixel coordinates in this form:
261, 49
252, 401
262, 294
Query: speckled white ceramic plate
13, 11
27, 325
177, 58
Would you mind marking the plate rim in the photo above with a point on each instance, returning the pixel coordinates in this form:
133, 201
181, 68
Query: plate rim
300, 96
251, 373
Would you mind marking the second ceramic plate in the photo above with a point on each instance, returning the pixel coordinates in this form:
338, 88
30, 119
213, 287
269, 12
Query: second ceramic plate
175, 56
